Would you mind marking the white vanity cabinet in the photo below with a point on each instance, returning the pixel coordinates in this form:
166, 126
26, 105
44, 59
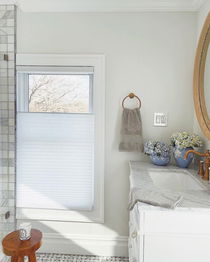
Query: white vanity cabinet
168, 236
165, 235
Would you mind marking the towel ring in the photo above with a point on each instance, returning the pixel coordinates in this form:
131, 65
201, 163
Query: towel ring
131, 95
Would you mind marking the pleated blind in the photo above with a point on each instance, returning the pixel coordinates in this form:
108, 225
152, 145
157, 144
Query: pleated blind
55, 161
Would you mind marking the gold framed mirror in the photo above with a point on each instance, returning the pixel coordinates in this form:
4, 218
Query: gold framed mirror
201, 79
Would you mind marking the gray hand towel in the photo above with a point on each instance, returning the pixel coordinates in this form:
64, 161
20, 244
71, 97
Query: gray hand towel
131, 131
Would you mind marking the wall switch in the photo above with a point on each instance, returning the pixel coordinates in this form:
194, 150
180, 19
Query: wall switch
160, 119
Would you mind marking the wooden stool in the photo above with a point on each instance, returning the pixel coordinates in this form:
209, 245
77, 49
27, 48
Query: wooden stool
17, 249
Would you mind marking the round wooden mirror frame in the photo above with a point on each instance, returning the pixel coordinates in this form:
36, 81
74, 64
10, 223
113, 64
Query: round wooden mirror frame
198, 81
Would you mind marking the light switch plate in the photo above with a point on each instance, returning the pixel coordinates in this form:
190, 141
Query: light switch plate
160, 119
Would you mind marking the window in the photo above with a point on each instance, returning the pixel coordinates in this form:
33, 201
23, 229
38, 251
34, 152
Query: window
59, 93
60, 139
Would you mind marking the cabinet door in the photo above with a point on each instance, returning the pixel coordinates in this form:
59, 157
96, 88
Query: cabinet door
177, 248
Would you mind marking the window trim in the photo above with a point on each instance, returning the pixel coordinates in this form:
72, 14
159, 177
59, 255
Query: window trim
98, 63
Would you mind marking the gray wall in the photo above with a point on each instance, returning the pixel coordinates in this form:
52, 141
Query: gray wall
150, 54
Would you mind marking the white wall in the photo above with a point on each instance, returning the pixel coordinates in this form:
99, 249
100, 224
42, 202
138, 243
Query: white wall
150, 54
201, 16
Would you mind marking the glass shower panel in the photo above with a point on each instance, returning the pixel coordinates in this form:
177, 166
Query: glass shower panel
7, 120
4, 178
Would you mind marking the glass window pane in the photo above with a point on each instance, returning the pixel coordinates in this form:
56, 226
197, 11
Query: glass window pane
59, 93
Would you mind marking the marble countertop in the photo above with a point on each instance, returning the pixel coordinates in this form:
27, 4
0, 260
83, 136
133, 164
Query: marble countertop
137, 166
139, 178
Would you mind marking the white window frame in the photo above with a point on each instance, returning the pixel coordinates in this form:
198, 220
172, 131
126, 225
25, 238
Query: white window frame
98, 63
23, 73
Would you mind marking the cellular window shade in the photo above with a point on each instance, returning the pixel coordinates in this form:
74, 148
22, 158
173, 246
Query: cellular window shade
55, 161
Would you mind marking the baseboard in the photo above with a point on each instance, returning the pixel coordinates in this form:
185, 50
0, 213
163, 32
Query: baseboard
85, 245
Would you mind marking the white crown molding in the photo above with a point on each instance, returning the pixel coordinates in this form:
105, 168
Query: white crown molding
110, 5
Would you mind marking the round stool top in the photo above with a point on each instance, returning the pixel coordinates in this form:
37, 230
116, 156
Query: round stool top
13, 246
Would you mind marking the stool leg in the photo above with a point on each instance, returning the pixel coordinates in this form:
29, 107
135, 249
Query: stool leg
14, 259
32, 257
17, 259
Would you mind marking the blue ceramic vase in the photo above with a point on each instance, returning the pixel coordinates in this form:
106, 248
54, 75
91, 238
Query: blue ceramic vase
160, 161
179, 156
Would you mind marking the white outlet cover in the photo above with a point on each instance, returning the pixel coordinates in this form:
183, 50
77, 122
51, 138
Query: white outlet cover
160, 119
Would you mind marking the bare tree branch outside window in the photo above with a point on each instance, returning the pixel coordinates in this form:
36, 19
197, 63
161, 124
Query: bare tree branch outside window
59, 93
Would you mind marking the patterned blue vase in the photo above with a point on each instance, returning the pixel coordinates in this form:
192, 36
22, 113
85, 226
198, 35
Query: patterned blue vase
160, 161
179, 157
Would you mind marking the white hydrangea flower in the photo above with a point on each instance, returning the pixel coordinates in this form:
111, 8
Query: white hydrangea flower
184, 139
